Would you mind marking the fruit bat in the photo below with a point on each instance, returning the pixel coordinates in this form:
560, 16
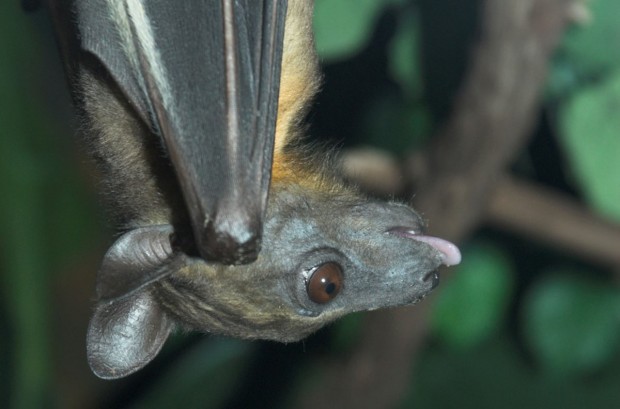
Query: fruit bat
229, 224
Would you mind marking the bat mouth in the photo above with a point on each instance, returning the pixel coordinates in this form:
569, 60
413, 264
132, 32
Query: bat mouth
431, 277
451, 255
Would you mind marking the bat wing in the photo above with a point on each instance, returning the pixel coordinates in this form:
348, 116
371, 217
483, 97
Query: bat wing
204, 75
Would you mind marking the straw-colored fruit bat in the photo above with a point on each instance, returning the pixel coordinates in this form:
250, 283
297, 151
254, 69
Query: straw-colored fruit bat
193, 111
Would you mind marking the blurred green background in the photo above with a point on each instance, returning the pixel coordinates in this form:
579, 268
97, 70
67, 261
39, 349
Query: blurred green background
518, 324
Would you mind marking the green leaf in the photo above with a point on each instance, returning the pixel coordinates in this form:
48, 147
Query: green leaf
562, 80
472, 305
571, 324
403, 54
342, 27
594, 47
496, 374
590, 133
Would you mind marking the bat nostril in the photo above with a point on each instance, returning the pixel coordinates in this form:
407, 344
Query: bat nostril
432, 276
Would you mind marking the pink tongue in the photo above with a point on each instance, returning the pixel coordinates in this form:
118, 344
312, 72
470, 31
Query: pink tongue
451, 253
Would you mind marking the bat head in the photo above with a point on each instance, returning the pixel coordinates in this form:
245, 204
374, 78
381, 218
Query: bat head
325, 254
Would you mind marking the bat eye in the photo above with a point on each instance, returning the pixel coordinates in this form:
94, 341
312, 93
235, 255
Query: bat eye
325, 283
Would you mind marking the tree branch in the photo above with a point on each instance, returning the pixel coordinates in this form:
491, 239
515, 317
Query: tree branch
491, 121
517, 206
554, 219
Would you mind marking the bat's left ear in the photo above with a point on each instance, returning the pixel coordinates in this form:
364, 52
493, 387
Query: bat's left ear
126, 334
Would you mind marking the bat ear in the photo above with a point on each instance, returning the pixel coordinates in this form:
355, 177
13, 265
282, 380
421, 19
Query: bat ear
138, 258
126, 334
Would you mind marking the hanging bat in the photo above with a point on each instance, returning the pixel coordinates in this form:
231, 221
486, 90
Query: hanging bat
193, 111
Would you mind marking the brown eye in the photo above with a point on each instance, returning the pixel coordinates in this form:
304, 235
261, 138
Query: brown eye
325, 283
